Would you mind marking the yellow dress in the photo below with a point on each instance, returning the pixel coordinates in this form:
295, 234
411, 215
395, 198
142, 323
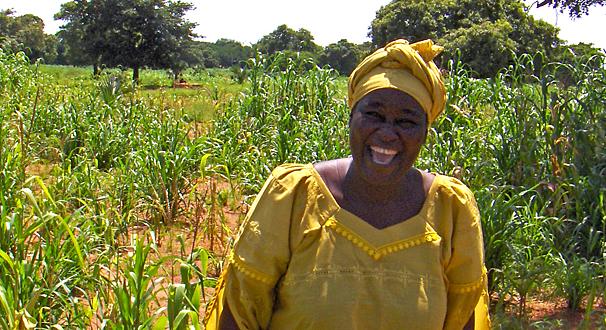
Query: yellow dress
302, 262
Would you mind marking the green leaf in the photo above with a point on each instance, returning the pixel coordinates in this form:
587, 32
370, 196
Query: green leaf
161, 323
74, 242
195, 298
9, 318
181, 317
45, 190
8, 260
203, 261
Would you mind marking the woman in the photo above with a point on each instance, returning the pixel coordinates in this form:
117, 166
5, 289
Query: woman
366, 242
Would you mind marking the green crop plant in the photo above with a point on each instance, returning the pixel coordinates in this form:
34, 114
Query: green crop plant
43, 271
284, 116
167, 163
89, 162
134, 288
185, 298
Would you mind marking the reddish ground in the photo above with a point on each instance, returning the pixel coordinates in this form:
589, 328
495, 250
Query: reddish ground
177, 84
551, 313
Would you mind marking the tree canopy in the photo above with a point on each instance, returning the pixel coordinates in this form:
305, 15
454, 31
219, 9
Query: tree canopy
26, 33
154, 33
342, 56
230, 52
575, 8
129, 33
285, 38
483, 33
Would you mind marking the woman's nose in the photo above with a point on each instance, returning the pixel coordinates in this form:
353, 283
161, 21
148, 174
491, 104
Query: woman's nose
387, 133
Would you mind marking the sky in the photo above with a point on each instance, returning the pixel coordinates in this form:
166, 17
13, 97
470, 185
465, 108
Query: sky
328, 20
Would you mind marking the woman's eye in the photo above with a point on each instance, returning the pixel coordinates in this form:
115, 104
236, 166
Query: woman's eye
373, 114
404, 122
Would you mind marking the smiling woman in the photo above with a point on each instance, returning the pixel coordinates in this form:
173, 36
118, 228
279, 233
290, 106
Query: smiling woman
368, 241
387, 129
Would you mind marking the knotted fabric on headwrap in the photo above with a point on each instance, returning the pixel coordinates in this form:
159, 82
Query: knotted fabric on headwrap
403, 66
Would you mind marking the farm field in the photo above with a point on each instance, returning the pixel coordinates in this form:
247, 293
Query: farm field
118, 203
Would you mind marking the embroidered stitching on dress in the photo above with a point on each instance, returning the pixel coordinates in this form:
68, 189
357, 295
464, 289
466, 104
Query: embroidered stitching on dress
249, 271
211, 305
469, 287
378, 253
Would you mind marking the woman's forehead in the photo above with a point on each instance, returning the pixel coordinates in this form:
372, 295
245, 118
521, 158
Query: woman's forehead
392, 97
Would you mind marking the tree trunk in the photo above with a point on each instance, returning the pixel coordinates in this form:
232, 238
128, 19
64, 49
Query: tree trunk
136, 74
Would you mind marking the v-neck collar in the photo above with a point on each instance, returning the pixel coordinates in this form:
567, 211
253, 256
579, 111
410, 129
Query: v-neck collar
412, 231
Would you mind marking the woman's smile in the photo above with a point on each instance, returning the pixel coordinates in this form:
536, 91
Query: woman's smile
382, 156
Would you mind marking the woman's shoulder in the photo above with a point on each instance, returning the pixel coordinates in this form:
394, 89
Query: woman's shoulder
301, 183
453, 197
453, 188
291, 175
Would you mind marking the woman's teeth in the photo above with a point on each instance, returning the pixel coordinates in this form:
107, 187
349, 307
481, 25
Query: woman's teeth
382, 156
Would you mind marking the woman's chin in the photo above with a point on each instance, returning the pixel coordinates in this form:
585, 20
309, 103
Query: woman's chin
382, 172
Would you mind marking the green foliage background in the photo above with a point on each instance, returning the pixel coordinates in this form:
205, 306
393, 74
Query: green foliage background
483, 34
486, 35
116, 198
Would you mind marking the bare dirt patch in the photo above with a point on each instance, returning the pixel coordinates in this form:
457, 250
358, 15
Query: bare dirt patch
548, 312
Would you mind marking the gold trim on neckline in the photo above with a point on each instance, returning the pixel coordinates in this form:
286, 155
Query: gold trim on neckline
381, 251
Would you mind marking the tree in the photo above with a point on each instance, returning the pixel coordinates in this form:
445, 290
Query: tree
576, 8
72, 50
285, 38
288, 46
483, 33
190, 55
129, 33
411, 20
209, 57
26, 33
7, 39
230, 52
481, 43
82, 34
342, 56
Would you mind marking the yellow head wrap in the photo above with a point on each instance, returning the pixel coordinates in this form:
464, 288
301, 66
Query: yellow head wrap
403, 66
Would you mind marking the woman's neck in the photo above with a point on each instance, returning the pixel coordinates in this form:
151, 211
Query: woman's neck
355, 189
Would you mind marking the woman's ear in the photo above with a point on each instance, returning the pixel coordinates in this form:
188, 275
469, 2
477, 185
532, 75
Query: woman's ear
351, 114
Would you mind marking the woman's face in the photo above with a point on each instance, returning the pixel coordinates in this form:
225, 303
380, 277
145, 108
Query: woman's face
387, 129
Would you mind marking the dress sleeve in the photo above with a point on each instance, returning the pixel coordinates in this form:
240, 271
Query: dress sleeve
258, 260
465, 271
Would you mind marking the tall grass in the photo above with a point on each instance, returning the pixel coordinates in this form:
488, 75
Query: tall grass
84, 170
288, 115
533, 149
99, 176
